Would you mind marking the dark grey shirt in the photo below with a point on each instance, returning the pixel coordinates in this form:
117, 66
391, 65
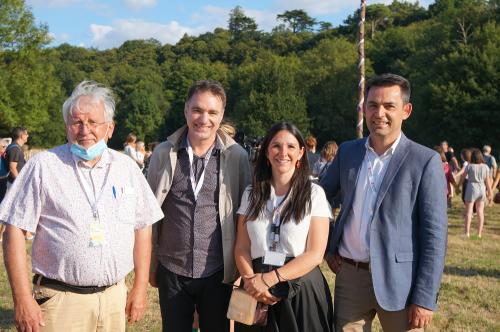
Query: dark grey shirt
190, 234
14, 153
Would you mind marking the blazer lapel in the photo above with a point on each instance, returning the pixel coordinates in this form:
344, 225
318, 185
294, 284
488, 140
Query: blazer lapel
392, 169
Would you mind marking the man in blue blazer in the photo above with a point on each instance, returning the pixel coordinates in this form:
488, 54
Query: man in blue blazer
388, 244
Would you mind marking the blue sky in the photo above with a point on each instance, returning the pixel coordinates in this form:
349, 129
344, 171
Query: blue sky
105, 24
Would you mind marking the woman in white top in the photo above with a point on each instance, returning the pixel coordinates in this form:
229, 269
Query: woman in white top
140, 152
130, 149
282, 233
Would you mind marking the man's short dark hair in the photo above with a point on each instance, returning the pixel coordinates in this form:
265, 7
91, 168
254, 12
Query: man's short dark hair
390, 80
17, 132
211, 86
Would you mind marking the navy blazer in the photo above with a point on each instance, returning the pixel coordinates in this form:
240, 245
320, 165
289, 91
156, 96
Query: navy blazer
409, 228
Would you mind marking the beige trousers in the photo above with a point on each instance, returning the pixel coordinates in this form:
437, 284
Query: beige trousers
355, 304
67, 312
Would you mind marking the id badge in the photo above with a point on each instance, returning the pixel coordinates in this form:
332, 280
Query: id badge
96, 233
274, 258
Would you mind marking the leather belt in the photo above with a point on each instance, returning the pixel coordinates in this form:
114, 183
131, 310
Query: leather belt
64, 287
358, 265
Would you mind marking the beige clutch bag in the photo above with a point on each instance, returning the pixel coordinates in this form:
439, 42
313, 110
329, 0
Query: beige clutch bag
242, 307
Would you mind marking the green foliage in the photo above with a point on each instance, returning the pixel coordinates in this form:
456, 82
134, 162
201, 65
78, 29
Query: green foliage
17, 27
449, 52
331, 77
29, 92
241, 26
379, 17
267, 91
297, 20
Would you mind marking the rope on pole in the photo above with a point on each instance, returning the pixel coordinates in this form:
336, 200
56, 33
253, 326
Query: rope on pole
361, 68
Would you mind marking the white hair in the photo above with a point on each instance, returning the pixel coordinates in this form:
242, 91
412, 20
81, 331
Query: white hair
97, 91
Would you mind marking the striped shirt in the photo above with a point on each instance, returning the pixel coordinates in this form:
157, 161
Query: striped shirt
49, 198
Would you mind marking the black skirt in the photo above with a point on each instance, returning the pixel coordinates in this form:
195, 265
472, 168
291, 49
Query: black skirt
306, 305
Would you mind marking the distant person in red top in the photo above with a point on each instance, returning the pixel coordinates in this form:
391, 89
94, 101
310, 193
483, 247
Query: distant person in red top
450, 156
450, 180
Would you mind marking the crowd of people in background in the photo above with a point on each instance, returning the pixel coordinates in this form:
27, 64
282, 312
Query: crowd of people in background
212, 218
475, 179
136, 149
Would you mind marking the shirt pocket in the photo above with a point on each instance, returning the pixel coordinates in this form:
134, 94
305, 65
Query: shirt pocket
125, 208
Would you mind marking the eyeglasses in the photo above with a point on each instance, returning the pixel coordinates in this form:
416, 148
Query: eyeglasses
89, 124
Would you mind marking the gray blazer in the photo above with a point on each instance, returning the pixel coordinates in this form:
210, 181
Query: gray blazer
408, 232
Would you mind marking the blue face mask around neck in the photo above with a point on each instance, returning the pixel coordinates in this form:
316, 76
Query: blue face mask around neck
91, 153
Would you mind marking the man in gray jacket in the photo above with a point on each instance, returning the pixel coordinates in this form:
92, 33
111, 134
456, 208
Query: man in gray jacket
198, 176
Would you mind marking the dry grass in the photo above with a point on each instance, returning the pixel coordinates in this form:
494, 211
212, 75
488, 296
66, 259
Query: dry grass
470, 291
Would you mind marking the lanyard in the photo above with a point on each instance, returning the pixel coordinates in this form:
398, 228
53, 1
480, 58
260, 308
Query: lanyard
92, 198
276, 222
197, 185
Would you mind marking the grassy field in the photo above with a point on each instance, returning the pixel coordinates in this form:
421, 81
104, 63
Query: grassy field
470, 292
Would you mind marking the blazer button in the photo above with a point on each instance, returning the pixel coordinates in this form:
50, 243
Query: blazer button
164, 191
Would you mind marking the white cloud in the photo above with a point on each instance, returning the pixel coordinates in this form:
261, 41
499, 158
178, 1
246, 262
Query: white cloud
51, 36
138, 4
210, 17
99, 32
59, 38
266, 20
106, 36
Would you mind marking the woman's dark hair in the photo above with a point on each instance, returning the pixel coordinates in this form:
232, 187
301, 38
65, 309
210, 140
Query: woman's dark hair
329, 150
440, 151
466, 155
131, 138
299, 202
477, 157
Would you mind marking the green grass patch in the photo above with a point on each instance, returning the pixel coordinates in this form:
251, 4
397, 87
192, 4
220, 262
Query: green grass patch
470, 291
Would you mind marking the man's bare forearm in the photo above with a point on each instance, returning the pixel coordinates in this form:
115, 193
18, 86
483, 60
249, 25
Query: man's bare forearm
142, 255
14, 249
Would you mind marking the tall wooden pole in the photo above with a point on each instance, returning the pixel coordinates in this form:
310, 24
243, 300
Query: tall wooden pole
361, 68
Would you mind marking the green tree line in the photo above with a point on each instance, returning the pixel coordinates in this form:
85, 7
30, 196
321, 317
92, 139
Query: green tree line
304, 71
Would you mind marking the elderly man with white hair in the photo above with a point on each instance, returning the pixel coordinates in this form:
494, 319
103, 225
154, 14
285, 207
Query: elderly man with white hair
92, 211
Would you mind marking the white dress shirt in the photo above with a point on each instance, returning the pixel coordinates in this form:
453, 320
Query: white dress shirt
355, 242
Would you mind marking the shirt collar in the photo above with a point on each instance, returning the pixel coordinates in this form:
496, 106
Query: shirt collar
389, 151
184, 143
